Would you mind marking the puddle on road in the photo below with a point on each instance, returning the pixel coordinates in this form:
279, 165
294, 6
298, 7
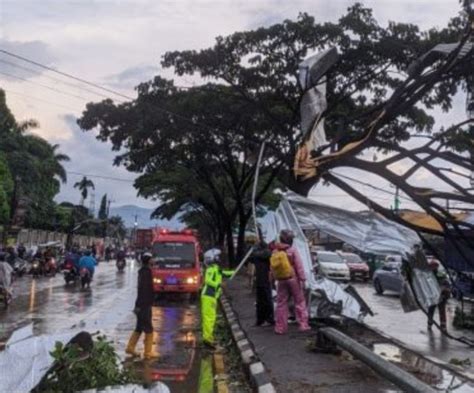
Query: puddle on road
424, 370
182, 365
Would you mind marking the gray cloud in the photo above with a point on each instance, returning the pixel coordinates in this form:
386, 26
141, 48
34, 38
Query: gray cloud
37, 50
90, 156
132, 76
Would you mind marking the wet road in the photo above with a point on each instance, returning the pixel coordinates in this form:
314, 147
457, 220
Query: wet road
411, 328
54, 307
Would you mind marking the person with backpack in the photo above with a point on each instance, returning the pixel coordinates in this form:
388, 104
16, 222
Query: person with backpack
287, 270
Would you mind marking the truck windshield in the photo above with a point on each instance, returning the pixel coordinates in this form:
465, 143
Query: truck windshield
174, 255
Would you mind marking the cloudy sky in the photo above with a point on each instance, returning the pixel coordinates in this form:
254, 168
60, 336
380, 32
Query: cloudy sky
119, 43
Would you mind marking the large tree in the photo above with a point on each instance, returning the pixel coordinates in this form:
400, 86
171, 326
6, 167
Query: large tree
36, 169
261, 67
196, 147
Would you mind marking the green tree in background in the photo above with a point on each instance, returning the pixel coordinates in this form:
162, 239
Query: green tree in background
35, 167
102, 215
6, 189
83, 187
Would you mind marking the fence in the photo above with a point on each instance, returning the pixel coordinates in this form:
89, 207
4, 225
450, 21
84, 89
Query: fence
34, 237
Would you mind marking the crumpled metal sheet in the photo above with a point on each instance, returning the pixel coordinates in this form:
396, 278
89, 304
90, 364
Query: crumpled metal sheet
426, 288
334, 293
367, 231
313, 102
285, 218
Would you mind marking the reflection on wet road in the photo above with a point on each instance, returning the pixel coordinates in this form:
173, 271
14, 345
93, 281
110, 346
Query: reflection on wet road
52, 307
411, 328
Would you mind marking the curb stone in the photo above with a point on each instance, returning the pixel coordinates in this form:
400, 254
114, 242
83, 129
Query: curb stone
258, 374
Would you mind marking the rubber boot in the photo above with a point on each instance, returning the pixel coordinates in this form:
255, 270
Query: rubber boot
132, 343
149, 353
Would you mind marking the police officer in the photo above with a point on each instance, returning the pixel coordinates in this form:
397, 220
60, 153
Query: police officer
210, 294
143, 310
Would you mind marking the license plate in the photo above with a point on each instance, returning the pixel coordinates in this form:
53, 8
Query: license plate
171, 280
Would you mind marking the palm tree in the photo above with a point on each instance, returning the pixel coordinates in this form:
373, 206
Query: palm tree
58, 158
83, 187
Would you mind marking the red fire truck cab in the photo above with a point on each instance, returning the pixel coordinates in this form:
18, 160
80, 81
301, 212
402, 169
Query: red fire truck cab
176, 265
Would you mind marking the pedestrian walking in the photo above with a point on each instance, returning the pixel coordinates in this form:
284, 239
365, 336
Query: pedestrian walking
443, 299
287, 270
260, 258
211, 293
143, 311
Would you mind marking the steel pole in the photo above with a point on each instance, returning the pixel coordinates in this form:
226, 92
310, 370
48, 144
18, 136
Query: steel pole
401, 378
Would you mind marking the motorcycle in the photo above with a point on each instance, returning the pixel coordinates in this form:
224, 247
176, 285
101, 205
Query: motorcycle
121, 264
85, 278
70, 272
49, 267
5, 297
20, 267
36, 269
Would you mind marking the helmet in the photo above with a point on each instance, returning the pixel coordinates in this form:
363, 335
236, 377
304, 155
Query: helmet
287, 236
146, 257
212, 256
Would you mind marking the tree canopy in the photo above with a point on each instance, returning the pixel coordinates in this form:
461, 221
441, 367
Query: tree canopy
196, 148
31, 170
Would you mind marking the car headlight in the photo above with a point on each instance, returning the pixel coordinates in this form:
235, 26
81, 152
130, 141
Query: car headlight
191, 280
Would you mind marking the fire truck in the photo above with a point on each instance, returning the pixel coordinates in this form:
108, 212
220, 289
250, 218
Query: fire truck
177, 266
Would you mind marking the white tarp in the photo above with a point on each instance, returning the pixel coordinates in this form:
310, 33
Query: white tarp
26, 358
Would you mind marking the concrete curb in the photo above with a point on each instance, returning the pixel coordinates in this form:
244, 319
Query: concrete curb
455, 370
258, 375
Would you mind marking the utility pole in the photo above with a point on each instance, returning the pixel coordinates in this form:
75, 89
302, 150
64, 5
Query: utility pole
396, 201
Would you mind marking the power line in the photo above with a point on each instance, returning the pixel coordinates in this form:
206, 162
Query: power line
32, 70
65, 74
100, 176
371, 186
97, 86
43, 86
38, 99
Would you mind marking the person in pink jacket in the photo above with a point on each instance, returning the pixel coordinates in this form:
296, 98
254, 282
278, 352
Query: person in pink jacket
293, 287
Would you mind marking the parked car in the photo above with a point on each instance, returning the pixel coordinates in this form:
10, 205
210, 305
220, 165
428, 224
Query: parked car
357, 267
331, 265
388, 278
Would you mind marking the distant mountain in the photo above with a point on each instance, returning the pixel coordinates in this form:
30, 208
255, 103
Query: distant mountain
128, 212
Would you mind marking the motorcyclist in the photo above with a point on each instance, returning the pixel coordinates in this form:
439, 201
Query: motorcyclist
143, 310
121, 255
6, 272
211, 293
11, 256
88, 261
21, 251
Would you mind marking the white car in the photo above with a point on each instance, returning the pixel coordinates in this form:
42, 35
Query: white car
330, 265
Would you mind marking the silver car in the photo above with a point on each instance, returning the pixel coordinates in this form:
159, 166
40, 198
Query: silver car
388, 278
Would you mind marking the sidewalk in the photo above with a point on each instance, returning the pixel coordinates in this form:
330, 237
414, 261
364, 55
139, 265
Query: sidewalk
292, 368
